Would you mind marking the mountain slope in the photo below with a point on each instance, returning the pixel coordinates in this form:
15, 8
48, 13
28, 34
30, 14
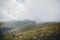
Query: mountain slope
47, 32
25, 27
19, 26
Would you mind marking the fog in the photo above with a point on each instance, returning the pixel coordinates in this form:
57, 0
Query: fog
38, 10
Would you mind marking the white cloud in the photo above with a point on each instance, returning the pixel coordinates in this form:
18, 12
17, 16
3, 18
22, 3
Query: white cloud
39, 10
15, 11
44, 10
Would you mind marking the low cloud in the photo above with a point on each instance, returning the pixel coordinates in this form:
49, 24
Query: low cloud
39, 10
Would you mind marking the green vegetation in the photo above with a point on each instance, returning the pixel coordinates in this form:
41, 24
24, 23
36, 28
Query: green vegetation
46, 32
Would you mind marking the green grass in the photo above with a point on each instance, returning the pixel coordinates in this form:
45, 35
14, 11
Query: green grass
47, 32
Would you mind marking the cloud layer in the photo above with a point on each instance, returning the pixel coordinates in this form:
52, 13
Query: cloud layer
39, 10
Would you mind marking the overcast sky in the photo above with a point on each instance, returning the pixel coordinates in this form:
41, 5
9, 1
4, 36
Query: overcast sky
39, 10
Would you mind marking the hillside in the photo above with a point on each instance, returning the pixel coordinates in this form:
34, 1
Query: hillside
47, 32
25, 27
18, 26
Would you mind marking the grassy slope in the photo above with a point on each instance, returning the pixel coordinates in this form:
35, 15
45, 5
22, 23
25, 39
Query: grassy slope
47, 32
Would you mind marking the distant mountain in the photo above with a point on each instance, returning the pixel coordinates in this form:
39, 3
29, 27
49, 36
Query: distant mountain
25, 27
16, 25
